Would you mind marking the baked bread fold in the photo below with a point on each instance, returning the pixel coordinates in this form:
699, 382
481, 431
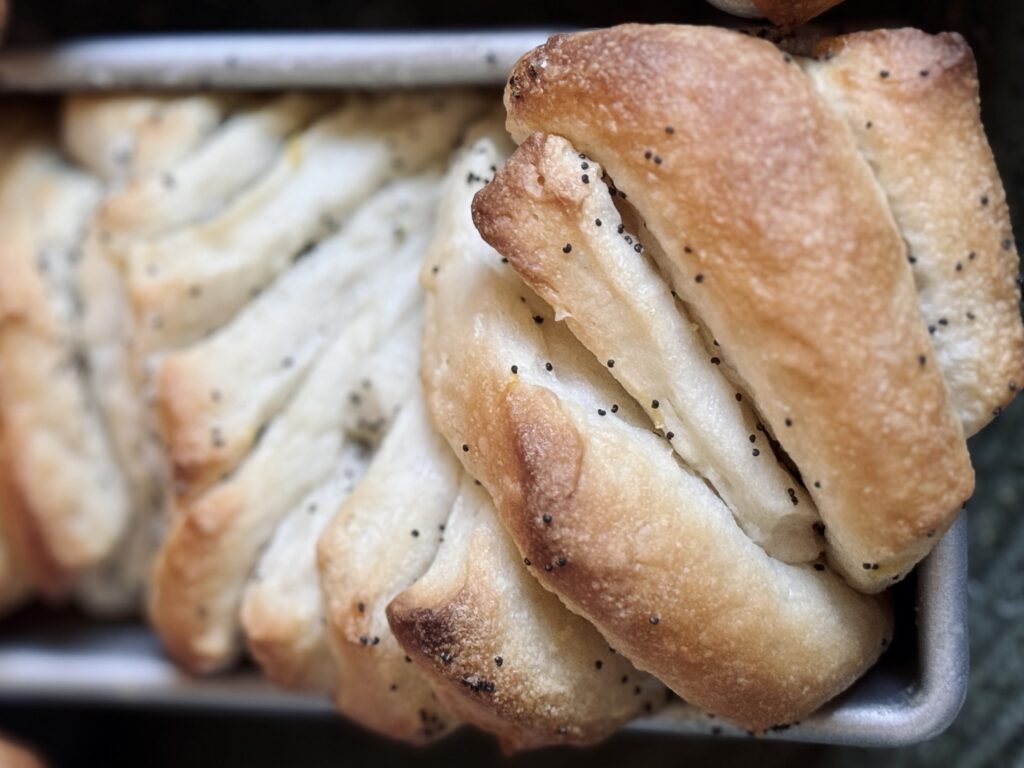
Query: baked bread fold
199, 184
607, 516
911, 101
503, 653
221, 163
64, 492
213, 398
616, 303
16, 546
283, 614
216, 536
323, 175
378, 543
123, 136
777, 234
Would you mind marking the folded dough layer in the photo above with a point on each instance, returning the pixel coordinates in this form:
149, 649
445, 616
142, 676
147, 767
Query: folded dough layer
216, 536
776, 232
503, 653
605, 513
920, 129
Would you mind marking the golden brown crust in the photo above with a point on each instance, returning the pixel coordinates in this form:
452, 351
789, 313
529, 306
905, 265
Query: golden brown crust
911, 101
505, 654
608, 519
179, 601
668, 623
690, 600
749, 181
618, 306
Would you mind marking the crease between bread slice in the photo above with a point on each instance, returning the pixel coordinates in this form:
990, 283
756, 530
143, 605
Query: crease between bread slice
477, 608
283, 615
234, 154
779, 237
118, 137
70, 495
322, 177
215, 539
200, 184
378, 543
919, 127
282, 612
503, 653
213, 398
608, 517
616, 303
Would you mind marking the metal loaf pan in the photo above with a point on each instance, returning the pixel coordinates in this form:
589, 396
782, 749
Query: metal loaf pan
912, 694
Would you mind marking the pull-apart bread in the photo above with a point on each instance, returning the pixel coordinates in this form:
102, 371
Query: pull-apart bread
500, 651
187, 186
527, 438
273, 304
384, 586
63, 505
66, 500
758, 249
70, 498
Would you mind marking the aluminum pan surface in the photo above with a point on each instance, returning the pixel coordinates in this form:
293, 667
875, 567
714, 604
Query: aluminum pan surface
322, 60
68, 658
